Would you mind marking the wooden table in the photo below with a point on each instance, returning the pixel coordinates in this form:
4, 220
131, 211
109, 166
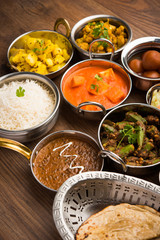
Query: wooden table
25, 206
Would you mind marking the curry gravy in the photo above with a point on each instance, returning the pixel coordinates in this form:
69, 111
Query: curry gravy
62, 158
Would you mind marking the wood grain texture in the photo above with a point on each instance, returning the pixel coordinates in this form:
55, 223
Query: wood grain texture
25, 206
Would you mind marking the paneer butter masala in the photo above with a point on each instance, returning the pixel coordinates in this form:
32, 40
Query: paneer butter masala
95, 83
63, 158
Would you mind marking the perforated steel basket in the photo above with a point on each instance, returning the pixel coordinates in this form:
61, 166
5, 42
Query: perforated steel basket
87, 193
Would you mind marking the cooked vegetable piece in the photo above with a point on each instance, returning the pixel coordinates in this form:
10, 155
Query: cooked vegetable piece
153, 120
115, 94
97, 87
107, 127
140, 136
108, 75
77, 81
125, 151
133, 116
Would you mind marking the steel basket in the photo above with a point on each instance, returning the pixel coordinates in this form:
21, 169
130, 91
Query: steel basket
87, 193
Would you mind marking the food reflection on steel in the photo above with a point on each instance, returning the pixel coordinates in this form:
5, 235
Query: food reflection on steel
62, 158
136, 139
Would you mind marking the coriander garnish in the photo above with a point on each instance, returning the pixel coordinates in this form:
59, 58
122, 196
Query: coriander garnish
20, 92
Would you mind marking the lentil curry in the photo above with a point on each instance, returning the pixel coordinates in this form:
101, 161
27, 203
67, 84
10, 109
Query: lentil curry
62, 158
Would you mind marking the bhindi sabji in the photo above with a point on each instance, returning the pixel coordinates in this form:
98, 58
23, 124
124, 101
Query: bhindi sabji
136, 139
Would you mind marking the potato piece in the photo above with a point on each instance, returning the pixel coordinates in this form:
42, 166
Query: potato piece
31, 58
25, 67
59, 59
40, 68
49, 62
42, 57
57, 50
56, 67
77, 81
30, 43
65, 54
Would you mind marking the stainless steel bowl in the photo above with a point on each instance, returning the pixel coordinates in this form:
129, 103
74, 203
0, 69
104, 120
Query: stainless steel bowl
41, 129
117, 115
49, 34
136, 47
150, 93
87, 193
94, 115
113, 20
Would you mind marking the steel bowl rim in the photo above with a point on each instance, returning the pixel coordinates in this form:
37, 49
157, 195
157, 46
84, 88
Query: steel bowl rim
41, 30
110, 112
130, 46
48, 119
88, 60
96, 17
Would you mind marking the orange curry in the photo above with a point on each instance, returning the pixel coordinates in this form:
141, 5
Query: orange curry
95, 83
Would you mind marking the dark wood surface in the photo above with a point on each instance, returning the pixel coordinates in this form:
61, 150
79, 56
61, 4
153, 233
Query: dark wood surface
25, 206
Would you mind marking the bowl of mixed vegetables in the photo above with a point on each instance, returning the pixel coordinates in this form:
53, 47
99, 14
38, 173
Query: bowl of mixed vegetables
84, 32
44, 52
132, 131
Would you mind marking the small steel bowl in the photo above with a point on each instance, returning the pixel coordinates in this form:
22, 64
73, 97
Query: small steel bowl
137, 47
41, 129
94, 115
75, 32
149, 94
88, 193
117, 115
49, 34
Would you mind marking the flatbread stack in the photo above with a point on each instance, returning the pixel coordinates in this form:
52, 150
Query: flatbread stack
121, 222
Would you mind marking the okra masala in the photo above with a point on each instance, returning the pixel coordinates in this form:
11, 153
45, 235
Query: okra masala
97, 84
136, 139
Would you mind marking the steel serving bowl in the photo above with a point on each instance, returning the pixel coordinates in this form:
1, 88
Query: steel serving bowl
117, 115
41, 129
137, 47
150, 93
49, 34
94, 115
31, 154
87, 193
76, 30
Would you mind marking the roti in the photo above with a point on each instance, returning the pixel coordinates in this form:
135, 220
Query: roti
121, 222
